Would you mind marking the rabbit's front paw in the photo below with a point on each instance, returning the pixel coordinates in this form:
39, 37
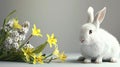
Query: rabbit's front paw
113, 60
87, 60
98, 60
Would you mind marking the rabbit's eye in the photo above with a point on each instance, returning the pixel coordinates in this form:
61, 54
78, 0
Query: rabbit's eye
90, 31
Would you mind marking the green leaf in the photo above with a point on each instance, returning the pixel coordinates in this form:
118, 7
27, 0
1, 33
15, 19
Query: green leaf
40, 48
7, 18
3, 36
11, 13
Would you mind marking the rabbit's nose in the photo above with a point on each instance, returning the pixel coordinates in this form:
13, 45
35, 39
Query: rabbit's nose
82, 41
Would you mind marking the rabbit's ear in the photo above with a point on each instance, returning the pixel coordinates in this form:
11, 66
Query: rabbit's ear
100, 16
91, 14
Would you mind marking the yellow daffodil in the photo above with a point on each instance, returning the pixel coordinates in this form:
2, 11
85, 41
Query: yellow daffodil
62, 57
38, 59
28, 52
35, 31
59, 55
51, 40
16, 25
56, 52
35, 59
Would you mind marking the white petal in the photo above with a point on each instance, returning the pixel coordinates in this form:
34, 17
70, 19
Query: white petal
15, 45
28, 46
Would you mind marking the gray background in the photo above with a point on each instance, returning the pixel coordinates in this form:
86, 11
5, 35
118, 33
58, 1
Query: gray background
63, 17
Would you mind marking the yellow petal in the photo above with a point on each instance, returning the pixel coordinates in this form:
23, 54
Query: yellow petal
34, 26
34, 61
48, 36
50, 45
54, 43
27, 58
55, 39
35, 31
40, 58
62, 57
56, 52
40, 35
16, 24
41, 62
52, 36
51, 40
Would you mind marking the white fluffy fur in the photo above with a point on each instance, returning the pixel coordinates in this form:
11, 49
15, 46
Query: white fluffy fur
100, 44
91, 14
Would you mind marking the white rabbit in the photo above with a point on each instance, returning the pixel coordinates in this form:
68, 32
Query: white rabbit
96, 42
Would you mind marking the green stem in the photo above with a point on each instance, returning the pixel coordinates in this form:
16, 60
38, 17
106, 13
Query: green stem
26, 41
48, 56
51, 59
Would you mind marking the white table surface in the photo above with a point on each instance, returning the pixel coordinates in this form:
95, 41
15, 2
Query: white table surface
70, 62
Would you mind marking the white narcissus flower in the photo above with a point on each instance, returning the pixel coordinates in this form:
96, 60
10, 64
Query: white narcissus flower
10, 23
7, 45
14, 34
21, 37
28, 46
6, 28
15, 45
26, 24
25, 30
16, 39
25, 27
10, 31
9, 40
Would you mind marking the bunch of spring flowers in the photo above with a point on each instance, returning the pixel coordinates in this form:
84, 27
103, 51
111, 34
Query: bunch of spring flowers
14, 46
